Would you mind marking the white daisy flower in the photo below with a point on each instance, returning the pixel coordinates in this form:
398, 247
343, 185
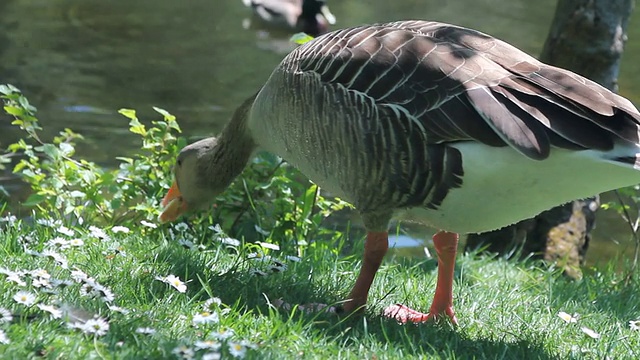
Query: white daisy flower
148, 224
146, 330
32, 252
206, 317
258, 257
48, 222
634, 324
258, 272
88, 289
187, 244
104, 293
79, 275
120, 229
568, 318
55, 313
5, 315
78, 325
216, 229
3, 338
9, 218
293, 258
58, 283
58, 242
98, 233
40, 273
97, 327
16, 278
92, 288
58, 258
118, 309
207, 344
237, 350
181, 227
229, 241
41, 283
66, 231
211, 356
223, 334
76, 242
248, 344
184, 352
173, 281
592, 334
277, 269
212, 303
25, 298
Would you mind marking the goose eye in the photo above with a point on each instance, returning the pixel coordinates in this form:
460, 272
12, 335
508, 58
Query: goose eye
179, 162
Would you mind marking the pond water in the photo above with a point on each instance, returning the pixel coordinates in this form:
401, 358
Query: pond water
79, 61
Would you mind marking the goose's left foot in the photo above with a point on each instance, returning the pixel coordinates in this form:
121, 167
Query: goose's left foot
405, 314
446, 245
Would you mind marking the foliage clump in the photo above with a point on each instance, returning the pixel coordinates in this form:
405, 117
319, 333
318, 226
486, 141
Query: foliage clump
271, 200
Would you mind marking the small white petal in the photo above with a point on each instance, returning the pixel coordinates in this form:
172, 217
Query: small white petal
148, 224
3, 338
567, 318
590, 332
120, 229
145, 330
55, 313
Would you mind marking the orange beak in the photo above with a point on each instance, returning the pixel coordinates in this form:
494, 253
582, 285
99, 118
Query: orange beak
173, 205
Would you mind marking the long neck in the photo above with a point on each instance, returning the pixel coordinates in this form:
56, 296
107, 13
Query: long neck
236, 141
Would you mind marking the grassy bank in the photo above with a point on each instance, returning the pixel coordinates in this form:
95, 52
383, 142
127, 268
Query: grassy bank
506, 309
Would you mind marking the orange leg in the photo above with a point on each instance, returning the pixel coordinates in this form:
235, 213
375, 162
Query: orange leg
446, 244
375, 248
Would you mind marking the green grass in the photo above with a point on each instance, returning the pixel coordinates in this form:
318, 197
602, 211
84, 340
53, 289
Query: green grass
506, 309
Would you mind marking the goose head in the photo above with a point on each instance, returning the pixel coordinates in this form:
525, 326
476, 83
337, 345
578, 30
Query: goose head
204, 169
315, 17
196, 181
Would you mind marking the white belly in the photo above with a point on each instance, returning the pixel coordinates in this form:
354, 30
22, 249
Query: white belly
501, 187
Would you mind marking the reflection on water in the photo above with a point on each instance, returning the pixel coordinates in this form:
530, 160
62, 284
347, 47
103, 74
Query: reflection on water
80, 61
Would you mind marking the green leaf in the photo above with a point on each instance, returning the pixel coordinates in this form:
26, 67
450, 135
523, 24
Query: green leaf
14, 110
309, 200
7, 89
19, 166
25, 104
129, 113
164, 113
34, 199
136, 127
67, 149
301, 38
49, 149
125, 159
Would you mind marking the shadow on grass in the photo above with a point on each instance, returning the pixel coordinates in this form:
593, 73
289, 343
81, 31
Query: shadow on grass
245, 292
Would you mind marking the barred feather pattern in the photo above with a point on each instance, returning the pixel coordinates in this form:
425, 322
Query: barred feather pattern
371, 112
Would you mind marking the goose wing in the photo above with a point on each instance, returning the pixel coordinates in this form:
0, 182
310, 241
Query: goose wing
459, 85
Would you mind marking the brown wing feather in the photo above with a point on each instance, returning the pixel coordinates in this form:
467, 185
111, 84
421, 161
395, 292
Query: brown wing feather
460, 84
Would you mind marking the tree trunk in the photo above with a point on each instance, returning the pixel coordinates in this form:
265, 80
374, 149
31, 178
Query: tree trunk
586, 37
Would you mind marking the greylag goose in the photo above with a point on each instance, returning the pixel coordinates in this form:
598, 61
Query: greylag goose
311, 16
424, 121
